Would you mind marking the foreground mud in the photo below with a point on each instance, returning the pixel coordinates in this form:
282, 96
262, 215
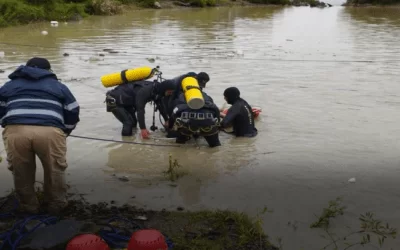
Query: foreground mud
186, 230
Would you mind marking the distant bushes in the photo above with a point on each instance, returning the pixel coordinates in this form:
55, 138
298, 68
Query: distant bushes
275, 2
202, 3
103, 7
14, 12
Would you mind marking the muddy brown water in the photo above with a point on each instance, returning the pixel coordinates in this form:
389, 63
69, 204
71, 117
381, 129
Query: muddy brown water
327, 80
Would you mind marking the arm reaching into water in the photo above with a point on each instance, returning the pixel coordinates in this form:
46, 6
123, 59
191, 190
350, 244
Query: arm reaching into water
142, 97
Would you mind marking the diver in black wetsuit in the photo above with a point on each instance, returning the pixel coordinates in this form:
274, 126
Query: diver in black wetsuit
240, 114
171, 98
200, 122
202, 78
127, 99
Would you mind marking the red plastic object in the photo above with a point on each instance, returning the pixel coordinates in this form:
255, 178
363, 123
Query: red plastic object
147, 239
87, 242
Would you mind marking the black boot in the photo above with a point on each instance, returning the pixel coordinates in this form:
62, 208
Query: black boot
126, 119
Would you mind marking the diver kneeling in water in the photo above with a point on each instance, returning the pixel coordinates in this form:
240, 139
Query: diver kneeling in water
239, 116
190, 122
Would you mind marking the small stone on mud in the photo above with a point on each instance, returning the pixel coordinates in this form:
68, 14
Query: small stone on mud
180, 208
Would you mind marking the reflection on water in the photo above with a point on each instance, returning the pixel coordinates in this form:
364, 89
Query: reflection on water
328, 113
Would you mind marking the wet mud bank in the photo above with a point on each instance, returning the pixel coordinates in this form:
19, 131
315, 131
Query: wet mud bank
183, 230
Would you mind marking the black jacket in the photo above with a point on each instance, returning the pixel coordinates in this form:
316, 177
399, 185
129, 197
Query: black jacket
135, 94
240, 117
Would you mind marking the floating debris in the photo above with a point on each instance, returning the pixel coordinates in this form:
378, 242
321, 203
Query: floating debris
123, 178
140, 217
352, 180
151, 60
45, 33
2, 54
65, 54
54, 23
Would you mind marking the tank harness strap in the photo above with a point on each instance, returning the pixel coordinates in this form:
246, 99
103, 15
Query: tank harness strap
198, 116
181, 124
123, 76
193, 87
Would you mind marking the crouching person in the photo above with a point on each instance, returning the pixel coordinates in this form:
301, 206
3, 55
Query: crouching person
37, 113
190, 122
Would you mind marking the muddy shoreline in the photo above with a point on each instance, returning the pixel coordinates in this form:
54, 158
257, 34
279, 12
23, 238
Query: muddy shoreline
186, 230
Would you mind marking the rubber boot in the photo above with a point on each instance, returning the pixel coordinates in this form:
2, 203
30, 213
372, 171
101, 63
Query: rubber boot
126, 119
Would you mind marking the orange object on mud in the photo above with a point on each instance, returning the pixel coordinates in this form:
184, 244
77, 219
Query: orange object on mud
87, 242
256, 111
147, 239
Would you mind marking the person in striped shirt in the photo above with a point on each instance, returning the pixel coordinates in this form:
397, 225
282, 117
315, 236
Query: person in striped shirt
37, 113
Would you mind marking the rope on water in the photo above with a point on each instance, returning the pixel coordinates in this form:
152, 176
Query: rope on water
127, 142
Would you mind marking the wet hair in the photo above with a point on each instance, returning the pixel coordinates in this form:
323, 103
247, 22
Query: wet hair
232, 94
203, 78
38, 62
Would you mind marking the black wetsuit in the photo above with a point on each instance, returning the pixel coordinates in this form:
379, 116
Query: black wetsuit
178, 90
131, 98
209, 117
164, 92
240, 116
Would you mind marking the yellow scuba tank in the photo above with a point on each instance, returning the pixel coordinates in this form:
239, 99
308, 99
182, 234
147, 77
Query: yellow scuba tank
193, 96
129, 75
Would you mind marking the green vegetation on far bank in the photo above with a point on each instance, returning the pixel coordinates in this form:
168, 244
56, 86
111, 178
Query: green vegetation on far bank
16, 12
